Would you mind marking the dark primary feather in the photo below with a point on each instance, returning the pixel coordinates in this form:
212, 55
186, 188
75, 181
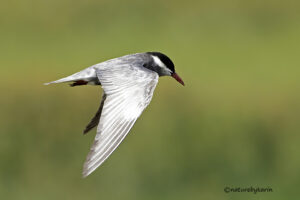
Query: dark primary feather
95, 121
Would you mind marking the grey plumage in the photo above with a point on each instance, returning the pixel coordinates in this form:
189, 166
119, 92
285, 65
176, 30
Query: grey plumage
125, 101
128, 83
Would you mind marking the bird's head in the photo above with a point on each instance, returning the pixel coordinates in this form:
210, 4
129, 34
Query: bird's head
164, 66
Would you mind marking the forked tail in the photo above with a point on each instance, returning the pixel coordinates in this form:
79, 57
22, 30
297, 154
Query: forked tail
80, 78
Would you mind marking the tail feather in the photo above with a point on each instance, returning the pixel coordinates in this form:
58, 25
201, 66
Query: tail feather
63, 80
84, 75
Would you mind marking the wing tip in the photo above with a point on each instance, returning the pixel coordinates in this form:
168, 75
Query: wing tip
85, 174
86, 169
86, 166
85, 131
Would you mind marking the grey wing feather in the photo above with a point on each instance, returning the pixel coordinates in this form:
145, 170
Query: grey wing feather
128, 90
95, 121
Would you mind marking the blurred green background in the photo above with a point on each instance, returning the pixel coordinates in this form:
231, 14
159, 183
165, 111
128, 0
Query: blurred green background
235, 123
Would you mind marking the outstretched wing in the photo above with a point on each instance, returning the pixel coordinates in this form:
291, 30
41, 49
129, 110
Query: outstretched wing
129, 90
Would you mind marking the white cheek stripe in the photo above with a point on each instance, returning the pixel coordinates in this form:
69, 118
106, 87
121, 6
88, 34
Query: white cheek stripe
160, 63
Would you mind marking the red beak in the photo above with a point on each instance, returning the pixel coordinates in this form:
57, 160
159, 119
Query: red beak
175, 76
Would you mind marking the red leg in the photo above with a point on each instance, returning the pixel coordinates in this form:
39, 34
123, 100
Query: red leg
80, 82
